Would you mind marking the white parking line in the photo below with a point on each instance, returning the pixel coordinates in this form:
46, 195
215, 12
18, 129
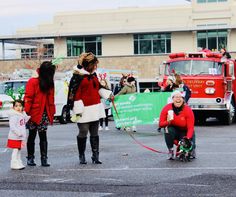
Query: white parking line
186, 184
58, 180
150, 169
30, 174
109, 179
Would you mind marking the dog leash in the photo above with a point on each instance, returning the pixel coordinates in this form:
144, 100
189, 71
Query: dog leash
144, 146
132, 136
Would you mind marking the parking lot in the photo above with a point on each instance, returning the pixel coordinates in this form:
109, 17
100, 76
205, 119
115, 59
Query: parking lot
128, 169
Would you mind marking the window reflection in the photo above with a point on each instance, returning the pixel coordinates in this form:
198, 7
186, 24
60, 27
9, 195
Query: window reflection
194, 67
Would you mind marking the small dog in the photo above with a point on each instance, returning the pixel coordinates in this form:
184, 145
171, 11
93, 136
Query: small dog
185, 148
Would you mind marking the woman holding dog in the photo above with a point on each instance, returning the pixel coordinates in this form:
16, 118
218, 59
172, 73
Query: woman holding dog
178, 120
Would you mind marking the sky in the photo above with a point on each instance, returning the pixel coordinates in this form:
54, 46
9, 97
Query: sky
17, 14
20, 14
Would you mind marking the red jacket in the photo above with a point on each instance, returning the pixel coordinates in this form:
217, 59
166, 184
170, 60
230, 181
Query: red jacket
88, 91
184, 121
36, 101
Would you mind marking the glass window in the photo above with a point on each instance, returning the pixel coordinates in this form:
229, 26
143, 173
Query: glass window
7, 86
213, 40
152, 86
222, 42
145, 47
152, 43
3, 88
179, 67
212, 43
49, 50
194, 67
206, 68
17, 85
78, 45
136, 47
29, 53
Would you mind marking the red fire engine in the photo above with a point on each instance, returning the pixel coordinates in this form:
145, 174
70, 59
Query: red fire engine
211, 79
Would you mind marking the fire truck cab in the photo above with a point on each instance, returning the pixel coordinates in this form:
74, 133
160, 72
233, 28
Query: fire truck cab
211, 79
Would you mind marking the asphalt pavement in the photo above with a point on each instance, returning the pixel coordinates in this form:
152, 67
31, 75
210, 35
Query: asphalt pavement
128, 169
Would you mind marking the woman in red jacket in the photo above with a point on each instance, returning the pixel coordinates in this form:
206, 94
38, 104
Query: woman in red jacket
39, 105
178, 120
85, 91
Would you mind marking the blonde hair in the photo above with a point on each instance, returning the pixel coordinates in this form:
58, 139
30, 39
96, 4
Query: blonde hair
107, 85
178, 79
87, 58
88, 61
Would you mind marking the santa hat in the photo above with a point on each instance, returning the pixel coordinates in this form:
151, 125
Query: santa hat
177, 92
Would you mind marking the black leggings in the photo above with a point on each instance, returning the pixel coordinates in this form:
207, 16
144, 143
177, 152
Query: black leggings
91, 127
176, 134
106, 119
33, 133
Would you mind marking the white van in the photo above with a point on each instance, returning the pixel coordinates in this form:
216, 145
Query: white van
61, 92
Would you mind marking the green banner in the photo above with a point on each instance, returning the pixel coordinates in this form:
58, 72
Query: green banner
139, 108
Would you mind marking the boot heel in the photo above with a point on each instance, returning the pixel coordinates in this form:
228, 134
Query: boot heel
44, 162
95, 161
94, 141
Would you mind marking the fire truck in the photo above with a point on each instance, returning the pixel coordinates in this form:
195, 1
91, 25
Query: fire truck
211, 79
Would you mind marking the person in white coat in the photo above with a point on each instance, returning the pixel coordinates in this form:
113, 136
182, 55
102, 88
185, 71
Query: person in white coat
17, 133
106, 102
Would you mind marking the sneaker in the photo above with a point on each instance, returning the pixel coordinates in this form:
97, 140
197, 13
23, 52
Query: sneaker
171, 154
107, 129
134, 128
100, 128
193, 154
127, 129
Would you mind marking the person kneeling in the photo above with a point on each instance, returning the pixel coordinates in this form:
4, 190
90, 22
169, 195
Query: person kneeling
178, 120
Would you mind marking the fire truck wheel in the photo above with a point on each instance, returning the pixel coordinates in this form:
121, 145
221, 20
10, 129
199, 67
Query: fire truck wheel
229, 115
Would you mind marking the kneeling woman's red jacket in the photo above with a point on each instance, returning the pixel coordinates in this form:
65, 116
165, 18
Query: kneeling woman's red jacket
184, 120
36, 101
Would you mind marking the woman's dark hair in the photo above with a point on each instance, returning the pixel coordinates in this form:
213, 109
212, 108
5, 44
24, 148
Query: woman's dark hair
18, 101
130, 79
46, 74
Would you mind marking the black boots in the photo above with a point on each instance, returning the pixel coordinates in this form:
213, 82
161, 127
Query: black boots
30, 161
94, 141
44, 150
30, 157
81, 143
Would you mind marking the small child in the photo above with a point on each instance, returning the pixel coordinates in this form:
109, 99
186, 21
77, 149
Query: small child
17, 133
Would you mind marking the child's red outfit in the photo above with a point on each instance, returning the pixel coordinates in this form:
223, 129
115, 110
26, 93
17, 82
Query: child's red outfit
17, 136
17, 133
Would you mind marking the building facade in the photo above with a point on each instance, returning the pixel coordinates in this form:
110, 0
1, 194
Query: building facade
130, 38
